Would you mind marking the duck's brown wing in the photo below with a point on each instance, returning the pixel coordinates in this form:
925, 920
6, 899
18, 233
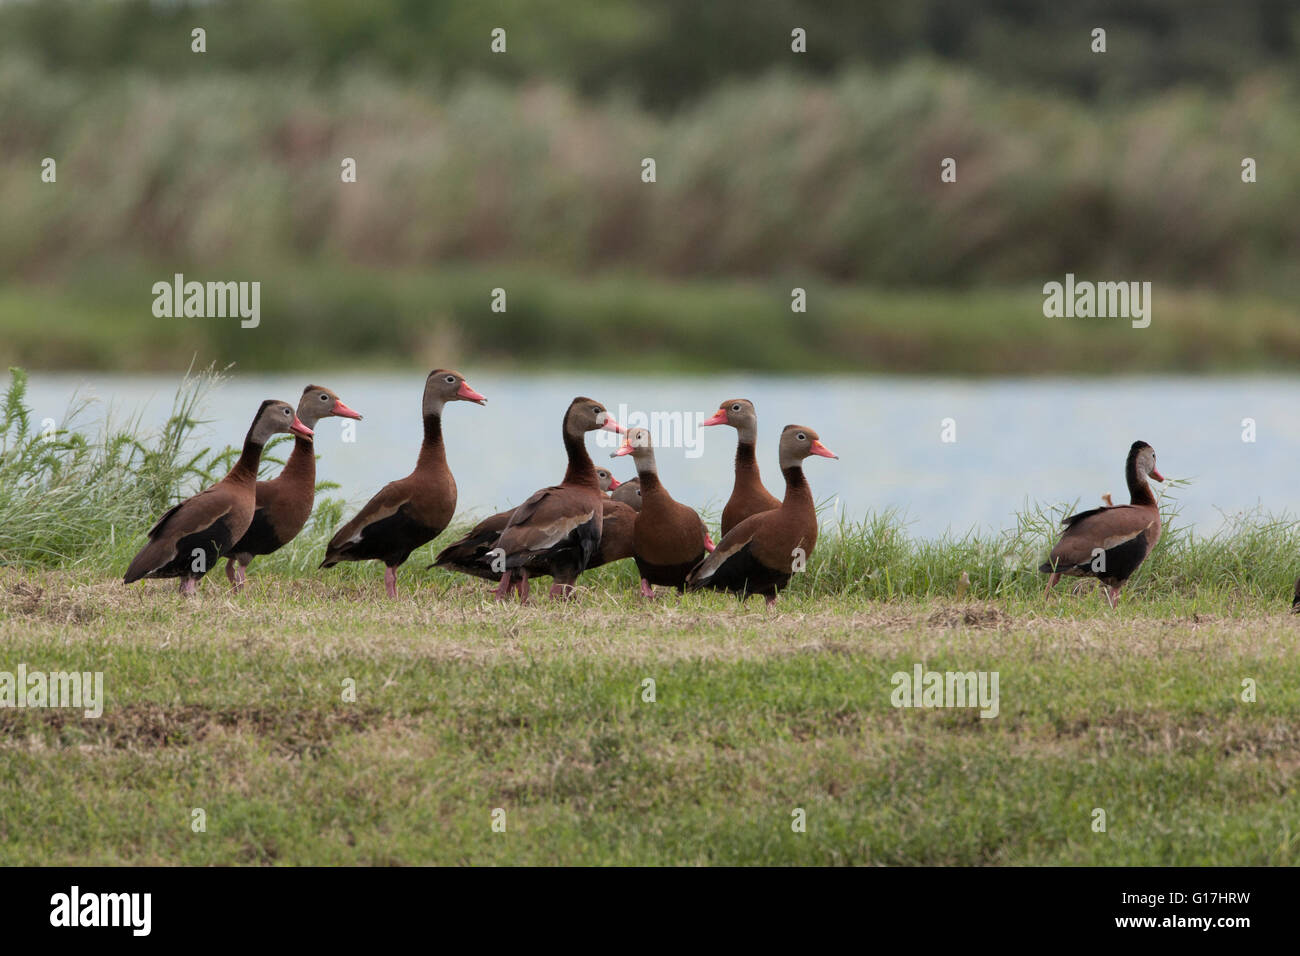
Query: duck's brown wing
555, 524
730, 561
210, 514
1124, 534
469, 554
386, 529
616, 530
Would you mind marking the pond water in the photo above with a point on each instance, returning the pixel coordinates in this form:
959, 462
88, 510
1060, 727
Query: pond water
1016, 440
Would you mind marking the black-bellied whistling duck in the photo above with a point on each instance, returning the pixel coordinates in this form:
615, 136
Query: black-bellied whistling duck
760, 554
617, 523
192, 535
629, 493
668, 538
284, 503
468, 555
413, 510
557, 530
1295, 601
1110, 543
748, 496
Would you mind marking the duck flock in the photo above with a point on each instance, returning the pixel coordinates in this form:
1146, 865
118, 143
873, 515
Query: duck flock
586, 520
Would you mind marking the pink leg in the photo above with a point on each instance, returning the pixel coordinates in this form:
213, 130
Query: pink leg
521, 587
189, 587
503, 589
562, 590
1051, 583
231, 574
1112, 597
771, 602
646, 590
390, 581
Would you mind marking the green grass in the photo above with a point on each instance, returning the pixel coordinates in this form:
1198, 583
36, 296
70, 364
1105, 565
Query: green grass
234, 705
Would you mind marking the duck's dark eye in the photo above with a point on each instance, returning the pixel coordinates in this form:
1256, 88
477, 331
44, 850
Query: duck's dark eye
451, 380
735, 408
802, 437
324, 398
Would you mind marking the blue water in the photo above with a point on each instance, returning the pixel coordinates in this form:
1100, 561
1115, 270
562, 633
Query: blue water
1017, 440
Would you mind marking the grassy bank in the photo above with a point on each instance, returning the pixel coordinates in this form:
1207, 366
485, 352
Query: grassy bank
330, 315
234, 705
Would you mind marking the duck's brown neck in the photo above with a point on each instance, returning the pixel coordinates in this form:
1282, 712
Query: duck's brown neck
1139, 490
433, 454
797, 492
1140, 493
650, 483
301, 466
581, 470
245, 469
746, 465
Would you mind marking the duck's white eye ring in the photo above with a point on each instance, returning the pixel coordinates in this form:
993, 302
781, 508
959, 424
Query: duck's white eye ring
736, 407
801, 436
451, 380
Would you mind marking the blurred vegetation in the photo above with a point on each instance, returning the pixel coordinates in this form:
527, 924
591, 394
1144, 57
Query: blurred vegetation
667, 52
774, 170
321, 315
775, 177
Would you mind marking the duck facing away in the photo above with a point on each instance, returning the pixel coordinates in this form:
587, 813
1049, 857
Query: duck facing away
557, 530
284, 503
668, 537
759, 555
1110, 543
469, 555
414, 510
191, 536
748, 494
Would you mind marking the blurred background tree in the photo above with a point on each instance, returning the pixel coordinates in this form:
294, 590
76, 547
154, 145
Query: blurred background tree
775, 169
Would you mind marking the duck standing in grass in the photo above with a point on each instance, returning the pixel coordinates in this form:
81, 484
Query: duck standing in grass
668, 537
469, 554
414, 510
191, 537
759, 555
748, 495
618, 522
1110, 543
284, 503
557, 530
